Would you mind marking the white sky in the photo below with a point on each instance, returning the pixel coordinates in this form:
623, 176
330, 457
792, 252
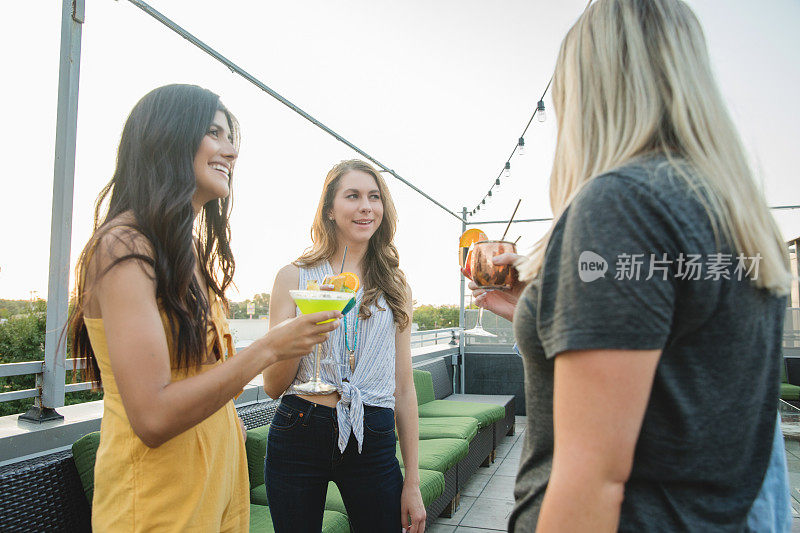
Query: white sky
438, 91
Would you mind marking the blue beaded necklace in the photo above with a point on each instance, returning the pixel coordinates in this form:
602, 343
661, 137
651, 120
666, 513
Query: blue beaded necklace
351, 351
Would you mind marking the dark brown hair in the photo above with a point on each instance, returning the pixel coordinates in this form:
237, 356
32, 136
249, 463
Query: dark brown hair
153, 185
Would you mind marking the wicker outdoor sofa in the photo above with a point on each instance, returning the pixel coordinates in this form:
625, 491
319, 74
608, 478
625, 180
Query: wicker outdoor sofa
52, 493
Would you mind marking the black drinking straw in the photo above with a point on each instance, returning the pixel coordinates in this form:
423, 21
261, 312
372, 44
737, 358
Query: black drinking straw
511, 219
343, 258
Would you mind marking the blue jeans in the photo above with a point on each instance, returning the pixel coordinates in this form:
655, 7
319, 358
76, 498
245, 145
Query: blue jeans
772, 510
303, 456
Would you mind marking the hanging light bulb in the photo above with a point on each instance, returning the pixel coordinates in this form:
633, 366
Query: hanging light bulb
507, 171
540, 111
521, 146
497, 184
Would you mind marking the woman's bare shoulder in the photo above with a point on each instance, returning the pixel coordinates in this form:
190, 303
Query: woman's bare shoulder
288, 276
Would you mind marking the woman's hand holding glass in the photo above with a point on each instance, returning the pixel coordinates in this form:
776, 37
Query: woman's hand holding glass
296, 337
502, 302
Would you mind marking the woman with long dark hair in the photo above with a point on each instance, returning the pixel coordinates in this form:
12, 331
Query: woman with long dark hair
348, 436
150, 322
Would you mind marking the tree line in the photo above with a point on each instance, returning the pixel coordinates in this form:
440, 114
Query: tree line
23, 330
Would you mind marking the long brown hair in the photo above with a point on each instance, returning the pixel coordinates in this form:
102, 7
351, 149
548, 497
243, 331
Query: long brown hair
154, 181
381, 264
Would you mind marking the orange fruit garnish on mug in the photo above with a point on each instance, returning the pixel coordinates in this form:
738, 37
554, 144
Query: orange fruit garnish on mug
468, 238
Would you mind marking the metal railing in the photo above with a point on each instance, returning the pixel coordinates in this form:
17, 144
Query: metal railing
38, 369
435, 336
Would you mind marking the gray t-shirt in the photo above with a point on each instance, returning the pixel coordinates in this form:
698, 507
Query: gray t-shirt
705, 439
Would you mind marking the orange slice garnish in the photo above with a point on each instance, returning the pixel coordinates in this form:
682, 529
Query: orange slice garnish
346, 281
468, 238
351, 281
471, 236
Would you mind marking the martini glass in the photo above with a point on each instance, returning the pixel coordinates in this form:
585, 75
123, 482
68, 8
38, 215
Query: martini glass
315, 302
478, 330
489, 276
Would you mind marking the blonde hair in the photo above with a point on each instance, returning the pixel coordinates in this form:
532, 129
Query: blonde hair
633, 77
381, 272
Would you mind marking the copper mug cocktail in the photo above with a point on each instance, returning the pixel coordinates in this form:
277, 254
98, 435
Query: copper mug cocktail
484, 272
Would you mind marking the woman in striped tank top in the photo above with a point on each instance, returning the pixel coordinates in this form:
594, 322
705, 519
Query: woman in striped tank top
348, 436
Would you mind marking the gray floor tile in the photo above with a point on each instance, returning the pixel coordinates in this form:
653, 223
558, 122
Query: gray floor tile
466, 504
491, 469
503, 449
792, 446
794, 480
795, 525
440, 528
500, 488
462, 529
475, 484
508, 467
515, 451
486, 513
792, 453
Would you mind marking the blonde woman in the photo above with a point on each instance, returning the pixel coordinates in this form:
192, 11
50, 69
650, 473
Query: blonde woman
651, 325
348, 436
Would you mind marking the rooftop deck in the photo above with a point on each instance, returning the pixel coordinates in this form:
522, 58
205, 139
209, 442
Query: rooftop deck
487, 500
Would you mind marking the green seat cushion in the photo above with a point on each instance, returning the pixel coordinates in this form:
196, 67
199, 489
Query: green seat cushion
438, 454
788, 392
261, 521
333, 500
423, 383
485, 414
335, 522
84, 452
448, 427
258, 495
256, 448
431, 486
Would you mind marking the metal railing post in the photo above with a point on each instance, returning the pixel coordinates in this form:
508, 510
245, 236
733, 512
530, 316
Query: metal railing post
461, 319
53, 377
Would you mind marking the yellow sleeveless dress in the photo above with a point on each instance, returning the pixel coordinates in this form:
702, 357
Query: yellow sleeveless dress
196, 481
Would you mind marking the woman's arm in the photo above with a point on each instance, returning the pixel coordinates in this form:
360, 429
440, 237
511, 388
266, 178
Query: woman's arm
157, 408
599, 400
279, 376
408, 426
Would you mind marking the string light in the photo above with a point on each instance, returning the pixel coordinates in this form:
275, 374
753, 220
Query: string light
519, 148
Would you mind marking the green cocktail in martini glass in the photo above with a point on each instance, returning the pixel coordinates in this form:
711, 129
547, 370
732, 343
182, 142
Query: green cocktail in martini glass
314, 302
